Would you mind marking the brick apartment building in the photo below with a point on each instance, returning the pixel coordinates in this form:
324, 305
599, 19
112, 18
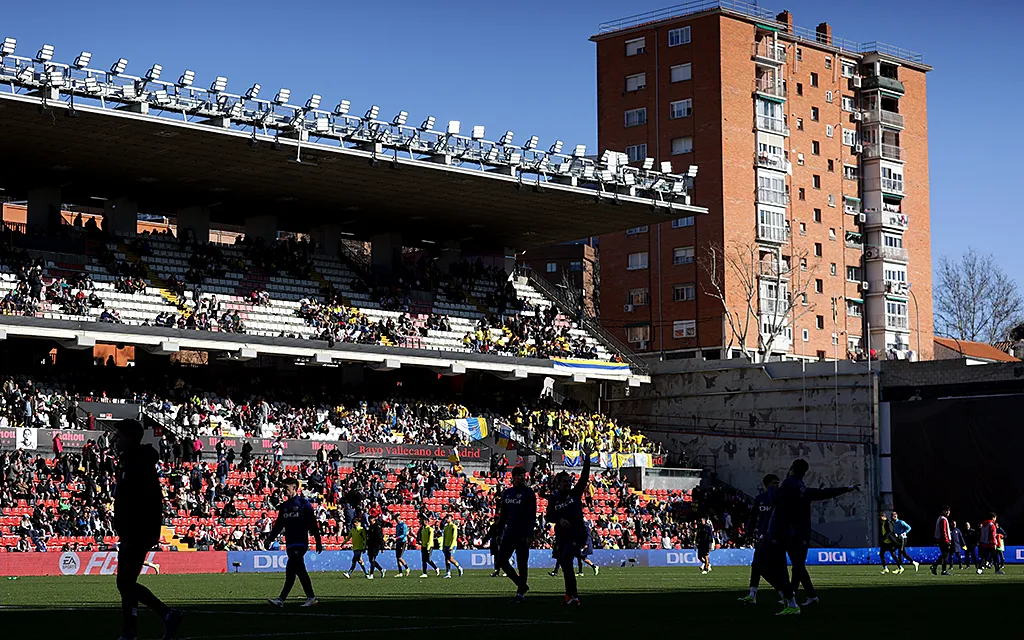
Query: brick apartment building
813, 158
573, 265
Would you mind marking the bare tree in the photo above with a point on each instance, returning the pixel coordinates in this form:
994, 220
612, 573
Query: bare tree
767, 289
975, 299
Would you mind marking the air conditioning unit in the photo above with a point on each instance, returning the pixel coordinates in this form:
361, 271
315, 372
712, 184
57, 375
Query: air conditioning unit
862, 218
858, 148
855, 82
865, 285
871, 253
858, 116
628, 308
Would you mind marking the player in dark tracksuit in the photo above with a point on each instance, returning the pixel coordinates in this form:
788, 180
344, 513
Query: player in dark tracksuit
565, 510
138, 513
516, 526
789, 532
760, 514
375, 543
296, 518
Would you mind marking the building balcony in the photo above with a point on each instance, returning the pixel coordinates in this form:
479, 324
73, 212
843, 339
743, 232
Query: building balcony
771, 307
888, 219
768, 52
891, 322
770, 87
854, 240
772, 161
887, 118
851, 207
771, 269
770, 234
884, 151
886, 185
771, 125
888, 287
767, 196
890, 254
869, 83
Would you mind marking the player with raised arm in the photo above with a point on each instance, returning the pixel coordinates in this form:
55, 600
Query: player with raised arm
760, 514
138, 513
296, 518
516, 527
565, 510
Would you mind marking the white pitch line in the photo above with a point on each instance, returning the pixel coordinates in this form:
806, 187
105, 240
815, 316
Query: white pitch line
289, 634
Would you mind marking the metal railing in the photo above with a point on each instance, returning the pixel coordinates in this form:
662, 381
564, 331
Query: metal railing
767, 16
888, 118
587, 322
885, 151
888, 286
770, 86
767, 196
890, 321
771, 233
888, 219
766, 49
774, 125
771, 161
882, 82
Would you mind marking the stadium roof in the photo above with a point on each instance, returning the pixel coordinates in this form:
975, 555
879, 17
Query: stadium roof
168, 164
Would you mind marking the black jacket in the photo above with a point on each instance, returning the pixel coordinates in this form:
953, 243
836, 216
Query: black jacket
138, 500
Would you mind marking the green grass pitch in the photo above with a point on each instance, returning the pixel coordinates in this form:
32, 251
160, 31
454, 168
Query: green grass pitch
857, 602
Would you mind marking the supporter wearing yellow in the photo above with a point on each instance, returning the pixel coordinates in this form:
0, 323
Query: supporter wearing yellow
357, 534
426, 540
449, 542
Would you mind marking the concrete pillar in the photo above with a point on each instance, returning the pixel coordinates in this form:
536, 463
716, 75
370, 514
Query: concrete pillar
197, 219
264, 226
328, 238
386, 252
43, 208
451, 253
510, 260
121, 216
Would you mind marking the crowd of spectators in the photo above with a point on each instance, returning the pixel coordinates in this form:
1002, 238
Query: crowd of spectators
537, 336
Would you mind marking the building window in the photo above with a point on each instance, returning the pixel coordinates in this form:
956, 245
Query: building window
637, 261
682, 145
854, 309
853, 274
817, 215
803, 228
831, 165
805, 335
799, 54
829, 130
680, 72
832, 236
636, 82
635, 47
819, 322
799, 124
637, 230
832, 200
684, 329
848, 68
817, 249
814, 114
849, 137
800, 159
799, 89
575, 265
638, 297
832, 269
801, 194
680, 108
683, 222
551, 267
803, 264
678, 36
684, 292
771, 225
815, 148
640, 334
891, 180
828, 97
828, 62
635, 117
850, 171
848, 103
816, 181
636, 152
771, 189
819, 285
682, 255
814, 79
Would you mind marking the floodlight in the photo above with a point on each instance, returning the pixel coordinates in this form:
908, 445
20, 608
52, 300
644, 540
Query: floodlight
372, 112
531, 143
237, 110
154, 72
83, 59
556, 148
507, 138
515, 158
91, 86
342, 107
478, 132
401, 118
220, 84
691, 171
666, 166
453, 127
492, 155
159, 96
648, 164
45, 53
314, 101
7, 49
222, 101
629, 178
26, 75
428, 124
187, 78
118, 67
282, 96
580, 151
607, 175
253, 92
55, 77
322, 125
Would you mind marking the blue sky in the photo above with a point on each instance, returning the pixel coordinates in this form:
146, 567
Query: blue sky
528, 66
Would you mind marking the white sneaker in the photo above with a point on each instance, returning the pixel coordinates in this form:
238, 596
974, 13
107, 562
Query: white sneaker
916, 565
277, 602
461, 572
423, 575
884, 571
369, 576
448, 575
399, 575
310, 602
383, 573
437, 571
155, 567
346, 574
809, 601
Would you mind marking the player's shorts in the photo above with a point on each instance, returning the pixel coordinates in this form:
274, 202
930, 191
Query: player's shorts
703, 551
400, 549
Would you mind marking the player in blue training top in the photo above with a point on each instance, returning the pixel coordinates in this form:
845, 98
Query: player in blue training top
295, 516
789, 532
516, 526
760, 514
565, 509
